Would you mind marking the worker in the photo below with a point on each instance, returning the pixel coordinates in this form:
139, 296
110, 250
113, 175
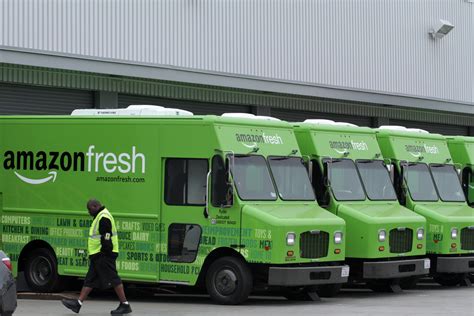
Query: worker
103, 253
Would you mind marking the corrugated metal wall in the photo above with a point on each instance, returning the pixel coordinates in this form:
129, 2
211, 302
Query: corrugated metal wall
380, 45
17, 99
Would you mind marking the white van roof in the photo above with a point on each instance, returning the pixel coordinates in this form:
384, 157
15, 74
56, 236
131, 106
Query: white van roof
328, 122
133, 110
402, 128
250, 116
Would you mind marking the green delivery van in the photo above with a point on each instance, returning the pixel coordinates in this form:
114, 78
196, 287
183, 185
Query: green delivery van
385, 242
219, 201
462, 151
427, 182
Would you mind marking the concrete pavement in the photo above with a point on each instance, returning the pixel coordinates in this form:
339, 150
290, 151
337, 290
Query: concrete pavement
427, 299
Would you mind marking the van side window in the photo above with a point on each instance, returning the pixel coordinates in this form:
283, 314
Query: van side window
398, 184
219, 184
183, 242
318, 183
467, 182
185, 181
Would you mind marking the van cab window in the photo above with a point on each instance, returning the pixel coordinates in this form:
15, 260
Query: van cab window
447, 182
376, 180
291, 178
420, 183
345, 181
185, 181
252, 178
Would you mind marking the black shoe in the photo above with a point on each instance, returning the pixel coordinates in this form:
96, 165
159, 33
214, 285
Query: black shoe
122, 309
72, 305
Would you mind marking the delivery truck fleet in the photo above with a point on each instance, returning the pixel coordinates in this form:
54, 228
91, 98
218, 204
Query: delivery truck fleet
235, 203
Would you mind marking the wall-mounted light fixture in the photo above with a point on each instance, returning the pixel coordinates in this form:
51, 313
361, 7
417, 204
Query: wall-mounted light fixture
441, 29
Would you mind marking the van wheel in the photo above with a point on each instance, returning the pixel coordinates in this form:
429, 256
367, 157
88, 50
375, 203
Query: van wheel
450, 279
229, 281
42, 271
329, 290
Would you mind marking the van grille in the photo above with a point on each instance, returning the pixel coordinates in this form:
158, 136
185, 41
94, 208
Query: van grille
401, 240
467, 239
314, 244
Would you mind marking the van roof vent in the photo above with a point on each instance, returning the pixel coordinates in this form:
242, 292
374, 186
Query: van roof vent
418, 130
250, 116
133, 110
320, 121
393, 128
328, 122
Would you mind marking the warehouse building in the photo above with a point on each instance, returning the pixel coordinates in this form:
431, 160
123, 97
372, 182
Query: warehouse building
371, 62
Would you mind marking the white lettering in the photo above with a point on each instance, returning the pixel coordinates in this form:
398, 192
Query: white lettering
110, 159
124, 160
134, 160
89, 157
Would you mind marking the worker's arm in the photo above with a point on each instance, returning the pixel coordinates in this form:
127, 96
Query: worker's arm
105, 231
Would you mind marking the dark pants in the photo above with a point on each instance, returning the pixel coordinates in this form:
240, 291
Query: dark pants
102, 272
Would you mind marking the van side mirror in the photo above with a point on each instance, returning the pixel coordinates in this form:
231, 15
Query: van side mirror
222, 192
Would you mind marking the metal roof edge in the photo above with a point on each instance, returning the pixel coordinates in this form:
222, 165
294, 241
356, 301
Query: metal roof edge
30, 57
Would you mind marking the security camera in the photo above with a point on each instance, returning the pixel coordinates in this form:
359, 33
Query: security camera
441, 29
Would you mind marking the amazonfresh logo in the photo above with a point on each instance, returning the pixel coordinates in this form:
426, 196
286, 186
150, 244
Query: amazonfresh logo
92, 161
344, 146
252, 140
417, 150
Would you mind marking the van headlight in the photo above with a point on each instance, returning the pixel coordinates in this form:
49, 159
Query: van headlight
338, 237
290, 239
454, 233
420, 233
382, 235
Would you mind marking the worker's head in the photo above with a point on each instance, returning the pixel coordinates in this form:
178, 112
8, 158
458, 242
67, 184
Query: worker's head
94, 207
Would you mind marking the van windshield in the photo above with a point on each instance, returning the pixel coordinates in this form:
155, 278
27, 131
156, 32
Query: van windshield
420, 184
376, 180
291, 178
345, 181
447, 183
252, 178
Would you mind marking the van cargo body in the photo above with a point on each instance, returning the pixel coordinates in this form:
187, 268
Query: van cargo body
194, 198
427, 182
385, 242
462, 151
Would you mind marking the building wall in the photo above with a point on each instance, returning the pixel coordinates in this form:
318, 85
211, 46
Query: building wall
374, 45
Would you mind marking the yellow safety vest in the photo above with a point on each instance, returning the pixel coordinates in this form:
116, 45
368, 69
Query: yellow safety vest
94, 244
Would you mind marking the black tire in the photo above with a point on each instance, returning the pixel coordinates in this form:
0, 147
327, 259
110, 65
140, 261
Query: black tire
450, 279
329, 290
383, 285
41, 271
409, 283
471, 277
229, 281
6, 314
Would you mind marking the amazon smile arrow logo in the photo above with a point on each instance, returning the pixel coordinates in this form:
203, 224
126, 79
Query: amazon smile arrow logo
52, 176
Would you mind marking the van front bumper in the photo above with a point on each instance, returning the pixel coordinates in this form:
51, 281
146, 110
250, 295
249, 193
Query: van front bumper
304, 276
455, 264
395, 269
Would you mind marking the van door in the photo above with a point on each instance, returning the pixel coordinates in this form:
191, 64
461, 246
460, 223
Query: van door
184, 198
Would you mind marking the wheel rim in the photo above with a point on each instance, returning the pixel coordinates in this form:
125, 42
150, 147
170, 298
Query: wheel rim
226, 281
40, 271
